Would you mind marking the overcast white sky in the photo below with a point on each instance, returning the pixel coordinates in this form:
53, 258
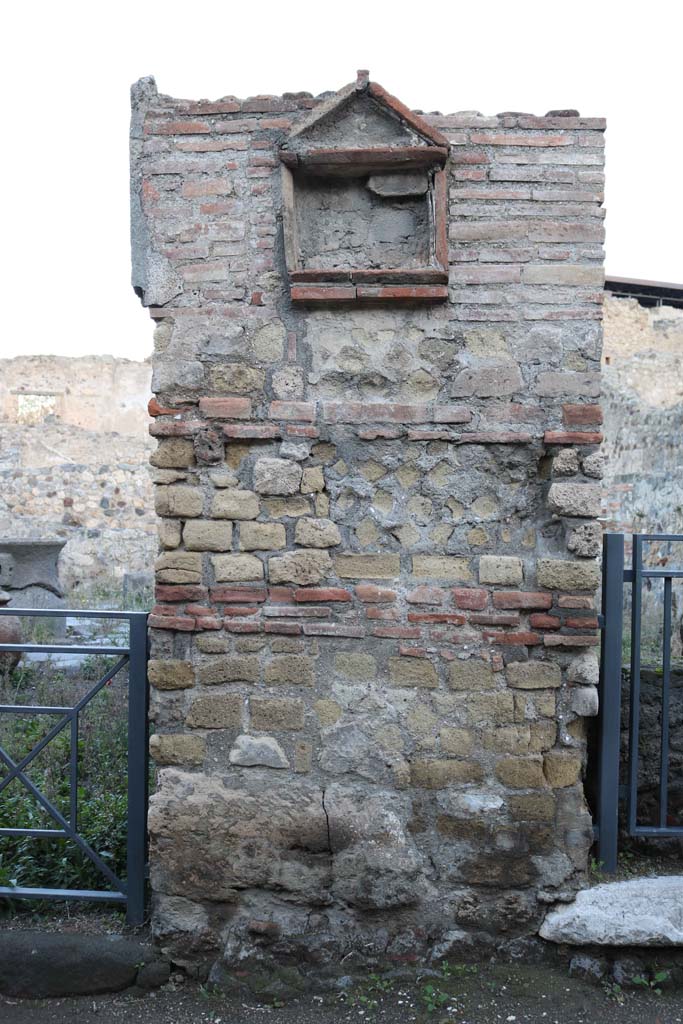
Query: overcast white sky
67, 68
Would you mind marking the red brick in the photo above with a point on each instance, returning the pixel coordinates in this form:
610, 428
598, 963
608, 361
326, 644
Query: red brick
521, 599
226, 408
520, 139
322, 594
174, 428
431, 435
413, 652
238, 626
207, 187
292, 411
369, 593
451, 617
281, 595
479, 619
238, 595
564, 640
208, 622
397, 632
163, 609
468, 597
469, 156
404, 292
299, 430
332, 629
488, 437
179, 592
514, 639
322, 293
179, 622
214, 209
382, 613
451, 414
289, 628
198, 609
582, 623
373, 433
571, 437
297, 611
375, 412
575, 601
255, 430
242, 610
158, 127
539, 620
154, 409
581, 415
426, 595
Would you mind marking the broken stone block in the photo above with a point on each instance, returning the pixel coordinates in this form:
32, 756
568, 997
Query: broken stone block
264, 751
572, 499
317, 533
276, 476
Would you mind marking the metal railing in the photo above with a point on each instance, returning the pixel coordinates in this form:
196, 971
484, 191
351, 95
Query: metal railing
134, 655
615, 578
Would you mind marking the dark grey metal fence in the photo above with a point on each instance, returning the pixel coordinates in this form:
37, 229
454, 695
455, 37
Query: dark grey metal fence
616, 581
132, 891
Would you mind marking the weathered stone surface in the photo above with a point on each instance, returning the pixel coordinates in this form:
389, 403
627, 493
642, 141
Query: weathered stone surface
50, 965
562, 769
206, 535
301, 567
412, 672
500, 569
275, 713
558, 575
276, 476
289, 670
237, 568
640, 912
442, 774
173, 452
235, 504
262, 536
584, 701
584, 670
184, 502
485, 382
442, 567
470, 674
171, 674
317, 533
234, 668
585, 540
521, 772
367, 567
566, 462
179, 567
355, 665
312, 480
264, 751
572, 499
533, 675
177, 748
216, 711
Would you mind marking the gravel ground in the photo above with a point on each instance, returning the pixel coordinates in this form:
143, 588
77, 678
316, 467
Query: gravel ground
485, 995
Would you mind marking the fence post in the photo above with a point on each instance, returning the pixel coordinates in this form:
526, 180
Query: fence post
610, 699
137, 770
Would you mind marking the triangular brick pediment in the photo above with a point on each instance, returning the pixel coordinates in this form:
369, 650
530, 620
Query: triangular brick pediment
362, 115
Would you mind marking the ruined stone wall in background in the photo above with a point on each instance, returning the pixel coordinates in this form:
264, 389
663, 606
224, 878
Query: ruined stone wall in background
372, 644
74, 464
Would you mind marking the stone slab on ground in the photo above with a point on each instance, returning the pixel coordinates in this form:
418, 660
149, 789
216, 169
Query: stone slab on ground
640, 912
41, 965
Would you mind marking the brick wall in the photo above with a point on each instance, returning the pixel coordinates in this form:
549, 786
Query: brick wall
373, 642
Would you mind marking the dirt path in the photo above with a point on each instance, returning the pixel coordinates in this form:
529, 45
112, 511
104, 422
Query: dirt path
487, 995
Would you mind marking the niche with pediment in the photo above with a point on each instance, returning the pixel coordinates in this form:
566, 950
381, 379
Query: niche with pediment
364, 201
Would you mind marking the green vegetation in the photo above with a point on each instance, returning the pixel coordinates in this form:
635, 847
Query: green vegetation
102, 776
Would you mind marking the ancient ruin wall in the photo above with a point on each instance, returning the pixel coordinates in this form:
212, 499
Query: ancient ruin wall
74, 465
372, 647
